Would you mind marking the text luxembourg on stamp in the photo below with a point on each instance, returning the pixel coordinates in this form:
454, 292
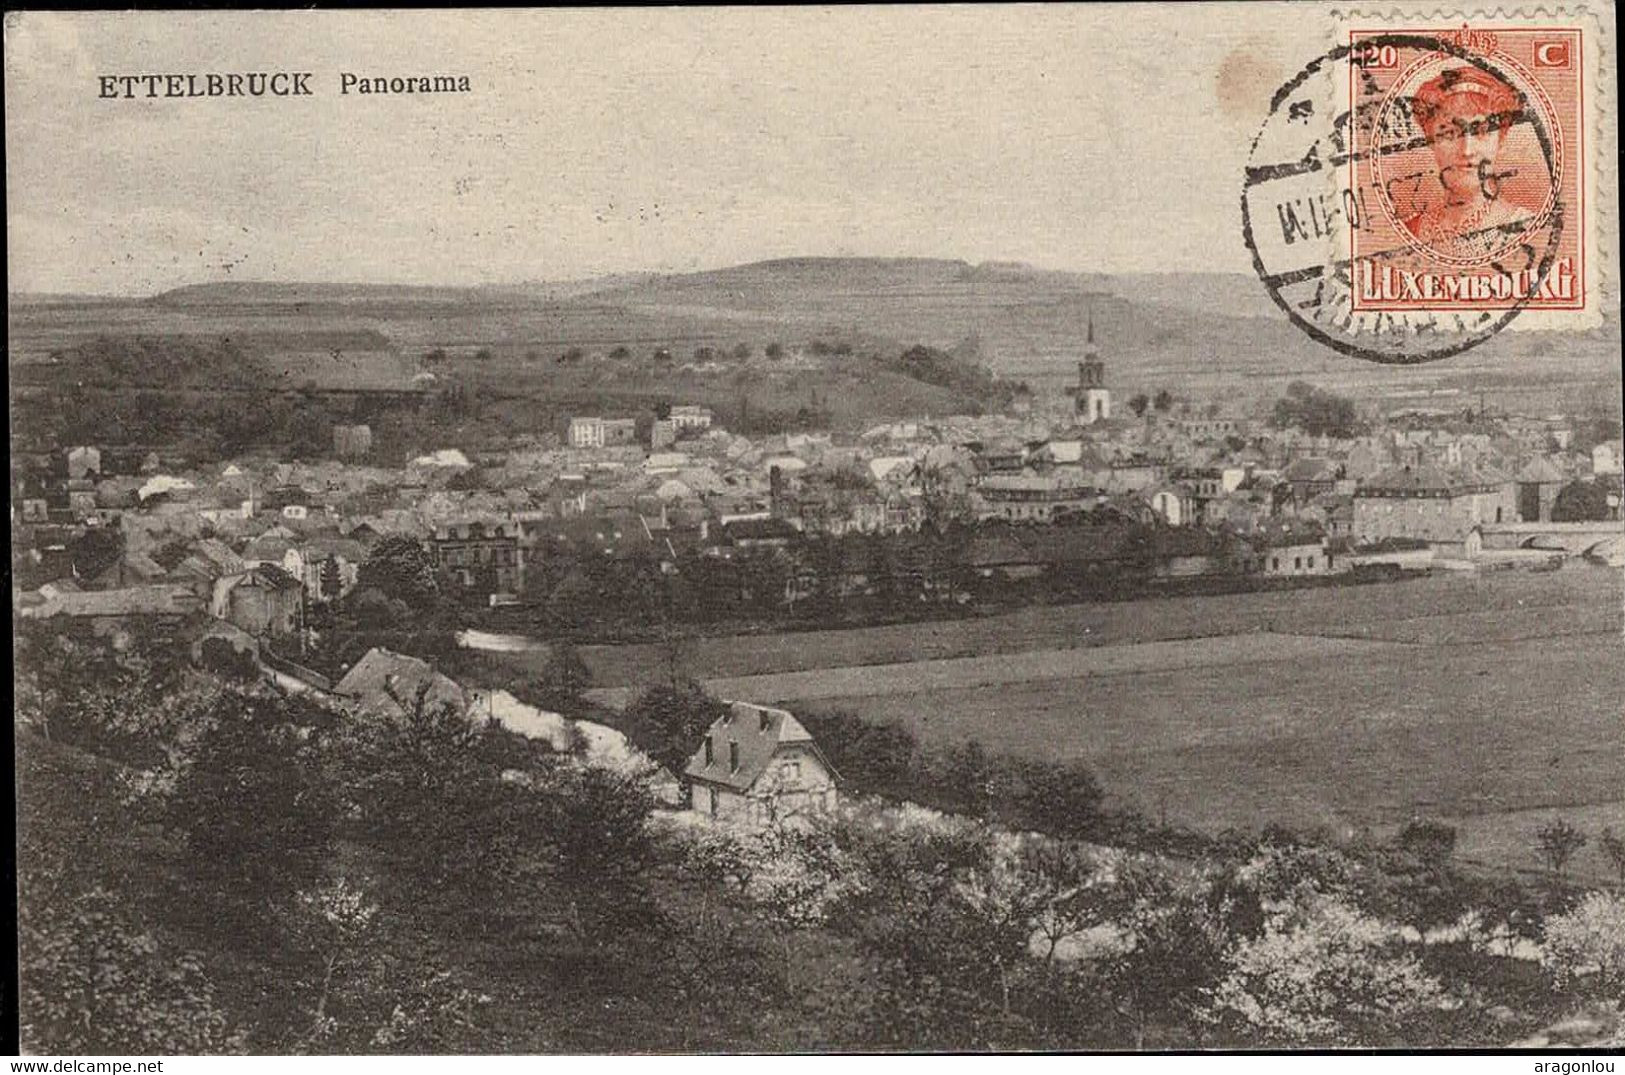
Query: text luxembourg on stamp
1452, 176
1411, 192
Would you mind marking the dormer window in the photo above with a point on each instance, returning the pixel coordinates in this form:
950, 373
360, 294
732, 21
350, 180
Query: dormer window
767, 719
733, 757
709, 752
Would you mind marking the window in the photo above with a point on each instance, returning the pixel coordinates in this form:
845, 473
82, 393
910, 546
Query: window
709, 753
792, 772
1297, 563
1311, 563
733, 757
1275, 563
766, 720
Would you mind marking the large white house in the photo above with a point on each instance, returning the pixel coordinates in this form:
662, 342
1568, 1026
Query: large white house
758, 765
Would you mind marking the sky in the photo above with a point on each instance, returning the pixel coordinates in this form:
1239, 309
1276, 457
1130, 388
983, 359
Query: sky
1097, 138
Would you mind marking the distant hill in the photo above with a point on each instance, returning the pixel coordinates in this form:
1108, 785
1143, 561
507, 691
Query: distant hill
1212, 334
261, 293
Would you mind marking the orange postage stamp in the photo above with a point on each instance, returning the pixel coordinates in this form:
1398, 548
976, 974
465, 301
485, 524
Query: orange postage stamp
1468, 166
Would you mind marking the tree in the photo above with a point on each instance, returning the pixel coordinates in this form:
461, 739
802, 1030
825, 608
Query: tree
1585, 946
1176, 940
705, 354
400, 569
774, 351
1432, 840
1557, 843
1613, 849
96, 550
421, 782
1138, 404
676, 717
337, 920
225, 660
94, 980
331, 580
565, 675
1316, 412
1063, 800
1582, 502
945, 956
250, 802
1163, 401
620, 352
741, 352
1322, 974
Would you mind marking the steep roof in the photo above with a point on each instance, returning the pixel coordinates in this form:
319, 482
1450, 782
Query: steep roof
161, 600
1419, 480
383, 680
1286, 533
1540, 470
760, 731
1310, 469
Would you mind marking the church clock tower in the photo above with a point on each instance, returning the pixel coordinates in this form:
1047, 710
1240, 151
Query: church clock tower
1094, 399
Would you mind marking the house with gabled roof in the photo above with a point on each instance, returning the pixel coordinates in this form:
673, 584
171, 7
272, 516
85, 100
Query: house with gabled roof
264, 600
385, 683
758, 765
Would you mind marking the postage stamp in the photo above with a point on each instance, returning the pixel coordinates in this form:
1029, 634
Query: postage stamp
1461, 157
1419, 186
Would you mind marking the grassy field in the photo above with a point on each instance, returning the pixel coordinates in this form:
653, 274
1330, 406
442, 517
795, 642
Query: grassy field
1507, 839
1446, 608
1458, 697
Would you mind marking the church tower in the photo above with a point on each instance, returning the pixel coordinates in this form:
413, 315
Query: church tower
1094, 399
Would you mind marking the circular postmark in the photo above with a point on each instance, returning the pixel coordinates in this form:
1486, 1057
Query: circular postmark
1402, 200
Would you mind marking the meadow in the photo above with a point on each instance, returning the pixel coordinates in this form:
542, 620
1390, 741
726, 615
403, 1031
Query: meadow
1448, 607
1350, 709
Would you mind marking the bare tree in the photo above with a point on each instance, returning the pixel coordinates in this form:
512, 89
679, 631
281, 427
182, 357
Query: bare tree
1558, 842
1613, 849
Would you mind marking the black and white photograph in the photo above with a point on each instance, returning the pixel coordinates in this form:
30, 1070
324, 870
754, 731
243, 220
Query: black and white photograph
786, 531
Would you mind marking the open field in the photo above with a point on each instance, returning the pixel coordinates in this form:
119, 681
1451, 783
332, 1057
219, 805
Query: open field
1507, 839
1445, 608
1460, 697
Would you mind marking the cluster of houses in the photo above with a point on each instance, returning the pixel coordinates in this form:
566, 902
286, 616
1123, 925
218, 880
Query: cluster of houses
255, 540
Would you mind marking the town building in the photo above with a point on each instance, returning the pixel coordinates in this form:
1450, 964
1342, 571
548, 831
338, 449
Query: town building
686, 416
1430, 504
1538, 483
1288, 548
84, 462
352, 441
1030, 497
388, 684
1606, 458
591, 432
265, 601
483, 556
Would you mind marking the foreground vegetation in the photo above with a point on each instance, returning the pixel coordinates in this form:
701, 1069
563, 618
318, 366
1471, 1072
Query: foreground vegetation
208, 865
